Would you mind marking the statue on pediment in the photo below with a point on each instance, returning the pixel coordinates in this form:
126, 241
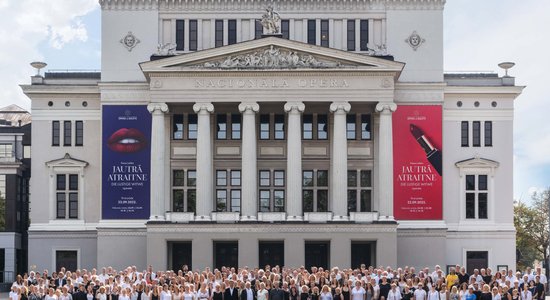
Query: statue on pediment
270, 21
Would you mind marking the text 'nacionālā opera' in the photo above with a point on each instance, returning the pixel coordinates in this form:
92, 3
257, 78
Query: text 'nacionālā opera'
258, 132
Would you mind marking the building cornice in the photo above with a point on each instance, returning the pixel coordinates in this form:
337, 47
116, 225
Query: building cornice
281, 5
502, 90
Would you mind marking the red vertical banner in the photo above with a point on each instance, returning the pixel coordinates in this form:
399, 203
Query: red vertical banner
417, 162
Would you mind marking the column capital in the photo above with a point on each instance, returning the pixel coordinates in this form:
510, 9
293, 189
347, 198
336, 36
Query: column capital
342, 106
249, 106
157, 107
206, 106
294, 106
386, 107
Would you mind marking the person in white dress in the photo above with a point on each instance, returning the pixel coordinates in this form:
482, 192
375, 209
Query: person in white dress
165, 294
262, 293
394, 293
358, 292
420, 293
325, 293
433, 294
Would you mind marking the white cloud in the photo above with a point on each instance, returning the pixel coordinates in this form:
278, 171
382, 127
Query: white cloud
24, 25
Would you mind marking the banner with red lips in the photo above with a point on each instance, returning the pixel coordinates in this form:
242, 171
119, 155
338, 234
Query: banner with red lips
126, 162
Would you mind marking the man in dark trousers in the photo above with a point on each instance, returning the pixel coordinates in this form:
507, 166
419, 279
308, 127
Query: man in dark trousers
276, 293
248, 293
231, 293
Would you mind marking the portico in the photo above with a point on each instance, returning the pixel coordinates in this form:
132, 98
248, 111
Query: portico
253, 79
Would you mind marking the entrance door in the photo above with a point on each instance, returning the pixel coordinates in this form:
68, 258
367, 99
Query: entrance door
317, 254
180, 254
476, 260
226, 254
363, 253
272, 253
67, 259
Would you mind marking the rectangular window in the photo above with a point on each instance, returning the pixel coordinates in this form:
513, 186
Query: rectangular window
315, 191
322, 127
235, 200
258, 29
235, 126
221, 126
177, 127
219, 33
351, 35
178, 178
193, 35
265, 178
352, 200
364, 35
271, 199
191, 200
324, 33
55, 133
365, 127
67, 133
221, 200
221, 178
66, 259
271, 253
180, 35
285, 29
232, 34
235, 178
476, 198
6, 150
476, 134
359, 191
488, 133
177, 200
192, 178
279, 127
307, 127
192, 127
264, 127
312, 32
79, 133
66, 196
464, 134
350, 127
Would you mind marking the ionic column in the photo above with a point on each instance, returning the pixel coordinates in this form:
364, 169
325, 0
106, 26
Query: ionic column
204, 161
158, 146
294, 161
249, 170
339, 161
385, 160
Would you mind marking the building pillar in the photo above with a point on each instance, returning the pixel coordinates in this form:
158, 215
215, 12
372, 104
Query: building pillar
339, 161
158, 145
294, 161
385, 160
204, 161
249, 179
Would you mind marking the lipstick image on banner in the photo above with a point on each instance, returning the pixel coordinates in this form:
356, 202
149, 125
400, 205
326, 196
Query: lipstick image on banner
433, 154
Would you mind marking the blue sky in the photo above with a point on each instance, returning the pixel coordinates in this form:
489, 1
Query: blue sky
478, 35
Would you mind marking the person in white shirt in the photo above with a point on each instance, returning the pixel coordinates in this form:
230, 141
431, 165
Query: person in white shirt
433, 294
358, 292
14, 293
394, 293
526, 293
420, 293
510, 277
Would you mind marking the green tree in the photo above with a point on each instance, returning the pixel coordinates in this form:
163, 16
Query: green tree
531, 223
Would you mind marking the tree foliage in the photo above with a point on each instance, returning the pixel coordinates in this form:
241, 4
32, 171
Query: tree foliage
531, 223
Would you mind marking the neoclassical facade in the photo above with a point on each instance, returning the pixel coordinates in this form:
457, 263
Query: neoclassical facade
207, 141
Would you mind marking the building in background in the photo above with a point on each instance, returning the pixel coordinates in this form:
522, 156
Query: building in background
207, 141
15, 172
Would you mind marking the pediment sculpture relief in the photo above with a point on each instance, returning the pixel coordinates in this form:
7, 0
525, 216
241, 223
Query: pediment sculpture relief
271, 58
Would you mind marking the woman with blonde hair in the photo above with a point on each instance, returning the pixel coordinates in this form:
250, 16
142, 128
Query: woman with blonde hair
325, 293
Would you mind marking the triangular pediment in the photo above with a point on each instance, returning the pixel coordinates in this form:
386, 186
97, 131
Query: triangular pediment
477, 162
271, 53
67, 161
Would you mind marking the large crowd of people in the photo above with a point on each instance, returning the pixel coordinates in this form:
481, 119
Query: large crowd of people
279, 283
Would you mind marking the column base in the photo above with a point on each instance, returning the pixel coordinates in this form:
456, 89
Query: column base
157, 218
248, 219
203, 219
386, 219
295, 218
340, 218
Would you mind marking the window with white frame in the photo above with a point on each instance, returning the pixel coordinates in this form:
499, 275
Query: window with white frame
184, 193
476, 197
66, 196
272, 191
315, 190
476, 188
228, 190
359, 191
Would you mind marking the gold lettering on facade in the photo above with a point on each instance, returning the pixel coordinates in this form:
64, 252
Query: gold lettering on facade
270, 83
